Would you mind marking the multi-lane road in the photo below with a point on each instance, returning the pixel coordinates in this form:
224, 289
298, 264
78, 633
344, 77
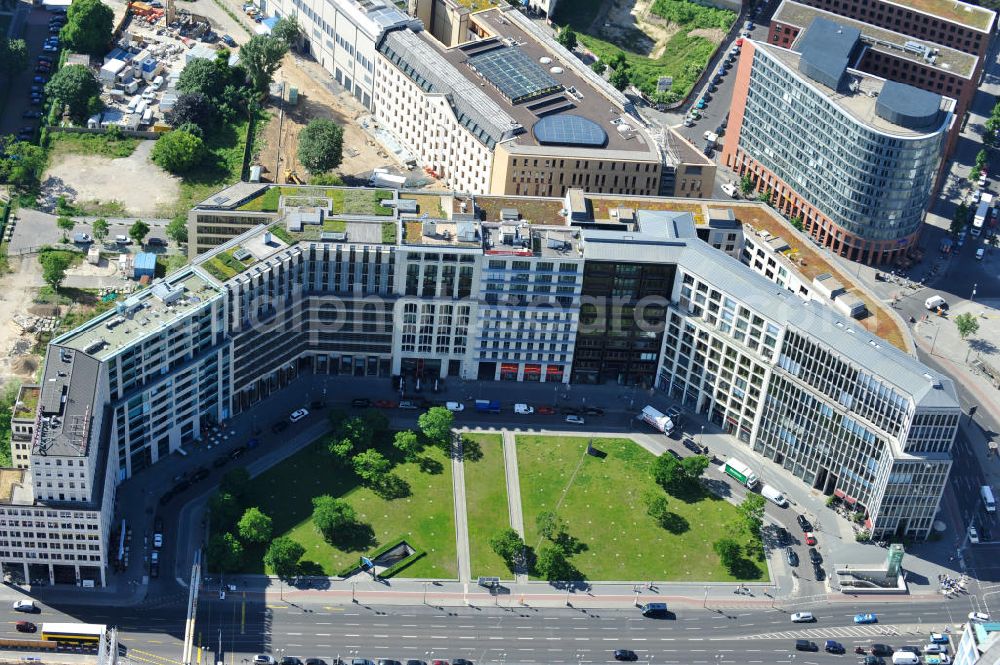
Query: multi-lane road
234, 629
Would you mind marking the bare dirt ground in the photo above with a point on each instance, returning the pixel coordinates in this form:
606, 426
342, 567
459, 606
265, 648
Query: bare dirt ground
17, 292
316, 100
141, 186
631, 23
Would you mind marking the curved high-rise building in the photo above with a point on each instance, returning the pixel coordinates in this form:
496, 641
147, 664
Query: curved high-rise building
854, 155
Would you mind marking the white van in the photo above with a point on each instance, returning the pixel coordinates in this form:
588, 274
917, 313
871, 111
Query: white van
934, 302
775, 495
524, 409
454, 407
988, 501
905, 658
979, 253
157, 82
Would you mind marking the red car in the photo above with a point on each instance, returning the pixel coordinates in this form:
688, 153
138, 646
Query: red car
545, 410
810, 538
385, 404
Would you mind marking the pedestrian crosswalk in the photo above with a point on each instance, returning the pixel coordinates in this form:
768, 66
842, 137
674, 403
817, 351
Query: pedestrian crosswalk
832, 632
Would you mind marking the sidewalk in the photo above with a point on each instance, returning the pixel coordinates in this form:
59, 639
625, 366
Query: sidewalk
513, 490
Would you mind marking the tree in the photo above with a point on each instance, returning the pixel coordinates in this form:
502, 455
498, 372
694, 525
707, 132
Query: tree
205, 77
261, 56
765, 196
341, 447
54, 266
371, 466
331, 516
599, 67
619, 78
283, 556
658, 509
376, 421
178, 152
508, 545
618, 60
287, 29
321, 145
75, 87
138, 231
13, 55
567, 37
797, 222
100, 229
550, 526
22, 162
751, 511
746, 185
436, 424
224, 510
65, 225
960, 219
967, 325
407, 443
177, 229
255, 526
195, 108
728, 551
975, 173
553, 565
694, 466
981, 158
88, 27
236, 482
224, 553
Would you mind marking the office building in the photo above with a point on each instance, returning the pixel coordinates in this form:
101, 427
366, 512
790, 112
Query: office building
512, 112
853, 155
979, 644
589, 288
895, 54
341, 35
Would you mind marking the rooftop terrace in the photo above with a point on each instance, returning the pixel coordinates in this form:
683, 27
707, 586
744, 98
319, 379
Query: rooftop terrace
142, 312
443, 233
27, 402
343, 200
897, 44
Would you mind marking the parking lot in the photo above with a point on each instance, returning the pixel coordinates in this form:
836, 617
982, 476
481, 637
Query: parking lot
36, 30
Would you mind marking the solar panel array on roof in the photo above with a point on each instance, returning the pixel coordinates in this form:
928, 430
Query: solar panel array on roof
568, 129
514, 74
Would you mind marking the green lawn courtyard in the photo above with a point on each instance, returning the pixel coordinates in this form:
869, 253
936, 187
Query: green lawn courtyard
603, 502
485, 501
425, 518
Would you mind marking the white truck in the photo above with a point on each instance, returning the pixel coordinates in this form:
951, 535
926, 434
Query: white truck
982, 212
382, 178
658, 420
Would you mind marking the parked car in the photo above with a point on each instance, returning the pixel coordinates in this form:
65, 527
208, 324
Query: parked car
804, 523
881, 650
810, 538
199, 475
593, 411
154, 569
805, 645
791, 557
263, 659
575, 420
298, 415
832, 646
82, 238
279, 426
229, 41
454, 406
25, 606
545, 410
361, 402
979, 616
220, 461
407, 404
156, 242
815, 556
290, 660
237, 452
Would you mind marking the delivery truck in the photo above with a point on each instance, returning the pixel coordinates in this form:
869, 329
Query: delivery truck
741, 472
658, 420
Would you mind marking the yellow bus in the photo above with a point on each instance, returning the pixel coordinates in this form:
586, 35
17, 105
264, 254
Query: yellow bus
73, 633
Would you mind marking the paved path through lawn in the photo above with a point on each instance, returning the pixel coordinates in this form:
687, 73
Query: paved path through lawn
461, 516
513, 491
